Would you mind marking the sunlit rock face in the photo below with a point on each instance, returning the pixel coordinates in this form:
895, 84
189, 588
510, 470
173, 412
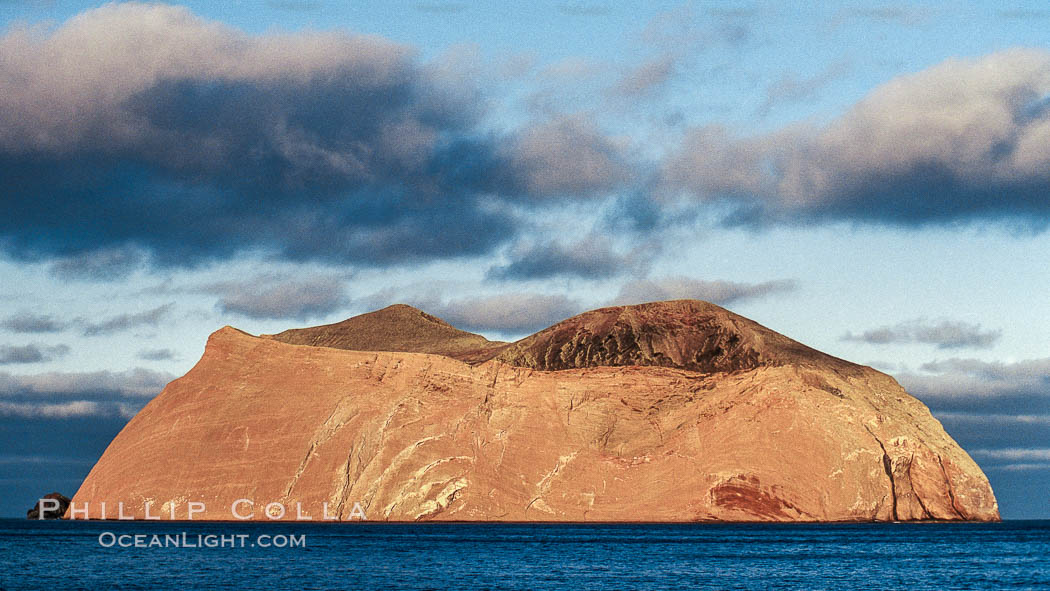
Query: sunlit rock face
670, 411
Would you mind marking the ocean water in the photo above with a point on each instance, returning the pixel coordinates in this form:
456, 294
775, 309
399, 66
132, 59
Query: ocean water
58, 555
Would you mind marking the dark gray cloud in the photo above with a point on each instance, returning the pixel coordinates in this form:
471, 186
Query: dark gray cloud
684, 28
105, 264
156, 354
273, 296
637, 214
28, 323
963, 140
208, 142
11, 354
75, 408
945, 334
683, 288
509, 314
122, 322
591, 258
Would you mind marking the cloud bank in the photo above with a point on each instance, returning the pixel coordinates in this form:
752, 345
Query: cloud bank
10, 354
29, 323
963, 140
137, 134
64, 395
143, 128
945, 334
973, 378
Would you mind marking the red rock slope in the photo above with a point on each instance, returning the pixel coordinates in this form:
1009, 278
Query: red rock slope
672, 411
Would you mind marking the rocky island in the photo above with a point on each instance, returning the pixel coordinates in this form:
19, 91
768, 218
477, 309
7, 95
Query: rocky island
668, 411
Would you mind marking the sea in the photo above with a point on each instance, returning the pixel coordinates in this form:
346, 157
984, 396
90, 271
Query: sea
60, 555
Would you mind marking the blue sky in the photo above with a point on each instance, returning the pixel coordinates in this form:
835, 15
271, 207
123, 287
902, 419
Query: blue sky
870, 179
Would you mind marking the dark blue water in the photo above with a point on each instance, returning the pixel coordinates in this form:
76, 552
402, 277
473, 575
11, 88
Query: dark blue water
69, 555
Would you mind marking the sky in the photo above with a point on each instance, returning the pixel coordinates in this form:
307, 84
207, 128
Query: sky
871, 179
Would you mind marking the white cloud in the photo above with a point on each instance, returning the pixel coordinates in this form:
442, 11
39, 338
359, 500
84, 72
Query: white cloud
1014, 454
516, 313
965, 138
684, 288
133, 383
75, 408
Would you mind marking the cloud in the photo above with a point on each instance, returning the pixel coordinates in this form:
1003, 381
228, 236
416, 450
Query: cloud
145, 127
794, 88
11, 354
568, 156
999, 420
28, 323
76, 408
124, 322
64, 395
591, 258
975, 379
440, 7
647, 77
1013, 454
1021, 467
156, 354
134, 383
683, 288
106, 264
274, 296
966, 139
511, 314
946, 334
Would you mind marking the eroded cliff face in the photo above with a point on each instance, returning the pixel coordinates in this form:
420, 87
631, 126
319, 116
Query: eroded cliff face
766, 430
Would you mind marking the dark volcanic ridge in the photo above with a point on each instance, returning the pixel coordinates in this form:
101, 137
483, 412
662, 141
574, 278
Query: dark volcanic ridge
685, 334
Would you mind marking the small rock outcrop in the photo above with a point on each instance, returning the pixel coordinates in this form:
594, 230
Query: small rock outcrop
670, 411
49, 506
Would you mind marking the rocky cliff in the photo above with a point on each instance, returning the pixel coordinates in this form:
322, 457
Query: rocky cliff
671, 411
